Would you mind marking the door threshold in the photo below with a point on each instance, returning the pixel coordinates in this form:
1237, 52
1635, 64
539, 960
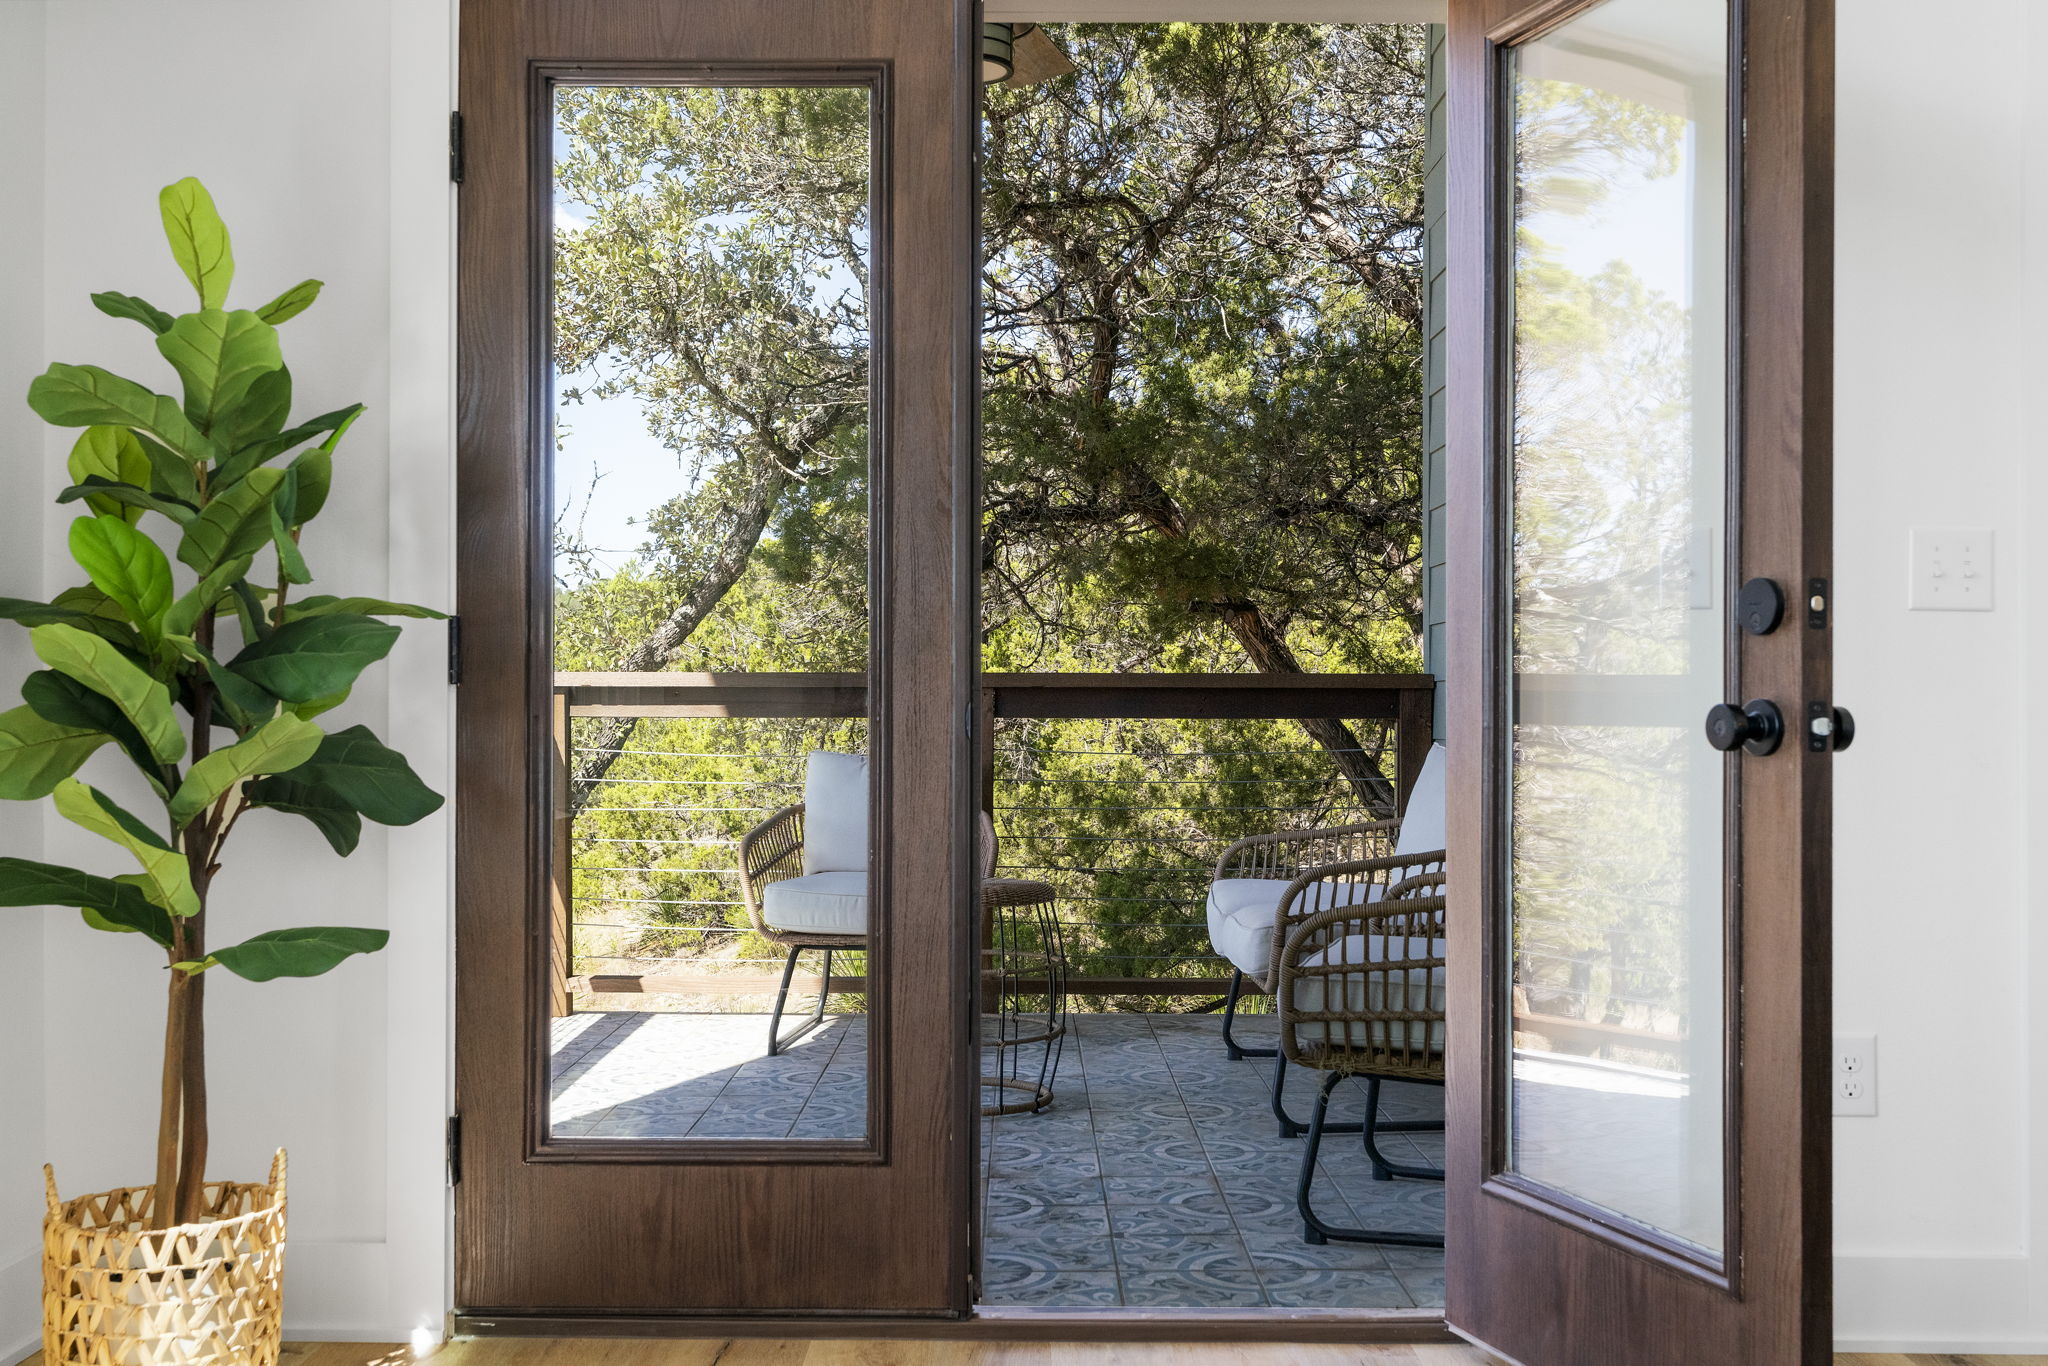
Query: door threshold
1347, 1326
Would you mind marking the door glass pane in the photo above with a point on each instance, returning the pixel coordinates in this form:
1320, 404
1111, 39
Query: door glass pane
711, 387
1620, 464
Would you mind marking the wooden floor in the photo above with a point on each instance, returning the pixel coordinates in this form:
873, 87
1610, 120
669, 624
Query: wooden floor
767, 1352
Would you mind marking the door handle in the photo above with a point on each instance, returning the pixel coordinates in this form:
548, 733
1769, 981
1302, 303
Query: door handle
1757, 726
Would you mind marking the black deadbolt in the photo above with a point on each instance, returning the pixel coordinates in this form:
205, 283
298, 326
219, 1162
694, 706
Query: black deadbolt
1761, 607
1757, 726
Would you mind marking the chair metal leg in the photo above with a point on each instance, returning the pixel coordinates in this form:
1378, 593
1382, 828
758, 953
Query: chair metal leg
1290, 1127
1231, 1046
1313, 1229
1383, 1169
777, 1041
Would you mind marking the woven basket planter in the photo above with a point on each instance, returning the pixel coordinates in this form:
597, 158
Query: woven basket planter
207, 1293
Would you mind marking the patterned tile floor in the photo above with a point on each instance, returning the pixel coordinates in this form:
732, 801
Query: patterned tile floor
1156, 1178
639, 1074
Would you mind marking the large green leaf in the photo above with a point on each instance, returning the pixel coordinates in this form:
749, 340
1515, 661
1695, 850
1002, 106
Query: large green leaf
103, 668
291, 565
36, 755
165, 871
29, 612
109, 904
358, 770
235, 524
291, 303
330, 815
197, 600
257, 452
219, 355
128, 567
87, 396
304, 952
258, 417
278, 746
118, 305
199, 240
242, 702
171, 474
320, 605
316, 656
65, 701
314, 471
126, 501
112, 454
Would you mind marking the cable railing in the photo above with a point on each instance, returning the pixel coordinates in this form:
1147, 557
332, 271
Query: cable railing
1120, 791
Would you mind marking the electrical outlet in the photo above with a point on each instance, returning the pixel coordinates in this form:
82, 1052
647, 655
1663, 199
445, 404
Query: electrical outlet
1951, 569
1854, 1075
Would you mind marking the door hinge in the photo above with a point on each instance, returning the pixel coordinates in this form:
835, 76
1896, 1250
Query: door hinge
455, 147
454, 651
455, 1150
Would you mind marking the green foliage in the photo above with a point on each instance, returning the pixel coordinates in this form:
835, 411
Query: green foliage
136, 656
199, 240
108, 903
305, 952
1202, 412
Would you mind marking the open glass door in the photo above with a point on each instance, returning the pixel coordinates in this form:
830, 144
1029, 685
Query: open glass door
1641, 723
713, 1025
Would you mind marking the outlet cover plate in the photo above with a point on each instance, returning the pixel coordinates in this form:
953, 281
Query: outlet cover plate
1852, 1076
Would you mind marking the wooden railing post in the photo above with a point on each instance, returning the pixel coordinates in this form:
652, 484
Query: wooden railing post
1416, 723
561, 870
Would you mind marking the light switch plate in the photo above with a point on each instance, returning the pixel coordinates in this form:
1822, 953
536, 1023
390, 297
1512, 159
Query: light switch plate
1951, 569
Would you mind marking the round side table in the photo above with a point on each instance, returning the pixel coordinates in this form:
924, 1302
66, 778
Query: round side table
1023, 994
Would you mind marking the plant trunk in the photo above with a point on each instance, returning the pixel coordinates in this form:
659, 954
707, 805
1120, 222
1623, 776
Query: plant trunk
170, 1116
192, 1164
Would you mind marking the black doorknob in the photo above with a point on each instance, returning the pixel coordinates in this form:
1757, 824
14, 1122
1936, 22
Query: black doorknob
1829, 728
1756, 726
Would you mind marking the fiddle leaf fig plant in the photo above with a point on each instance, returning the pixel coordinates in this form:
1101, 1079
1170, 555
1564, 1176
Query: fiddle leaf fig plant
190, 650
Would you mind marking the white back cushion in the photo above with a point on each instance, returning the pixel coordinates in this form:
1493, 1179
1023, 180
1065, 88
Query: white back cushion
1424, 823
835, 812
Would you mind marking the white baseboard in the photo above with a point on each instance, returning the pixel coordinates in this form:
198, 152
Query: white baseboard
1989, 1347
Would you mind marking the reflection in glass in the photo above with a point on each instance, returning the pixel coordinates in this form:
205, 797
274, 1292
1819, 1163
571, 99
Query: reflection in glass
1620, 324
710, 343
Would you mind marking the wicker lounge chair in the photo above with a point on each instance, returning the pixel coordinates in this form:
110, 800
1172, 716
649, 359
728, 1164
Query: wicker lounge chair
1256, 877
1361, 992
812, 893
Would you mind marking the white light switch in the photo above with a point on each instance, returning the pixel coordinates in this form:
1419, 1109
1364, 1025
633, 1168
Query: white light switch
1951, 568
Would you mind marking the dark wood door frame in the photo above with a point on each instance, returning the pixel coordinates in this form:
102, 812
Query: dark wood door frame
874, 1227
1586, 1291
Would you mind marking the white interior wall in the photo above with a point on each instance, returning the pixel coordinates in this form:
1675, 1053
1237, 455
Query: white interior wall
1937, 1211
22, 1144
336, 167
320, 127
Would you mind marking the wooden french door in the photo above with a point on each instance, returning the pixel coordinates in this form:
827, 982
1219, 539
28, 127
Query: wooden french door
553, 1218
1641, 264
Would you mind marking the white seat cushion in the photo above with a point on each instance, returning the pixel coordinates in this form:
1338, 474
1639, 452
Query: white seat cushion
1241, 915
818, 903
1242, 911
835, 812
1423, 824
1420, 989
